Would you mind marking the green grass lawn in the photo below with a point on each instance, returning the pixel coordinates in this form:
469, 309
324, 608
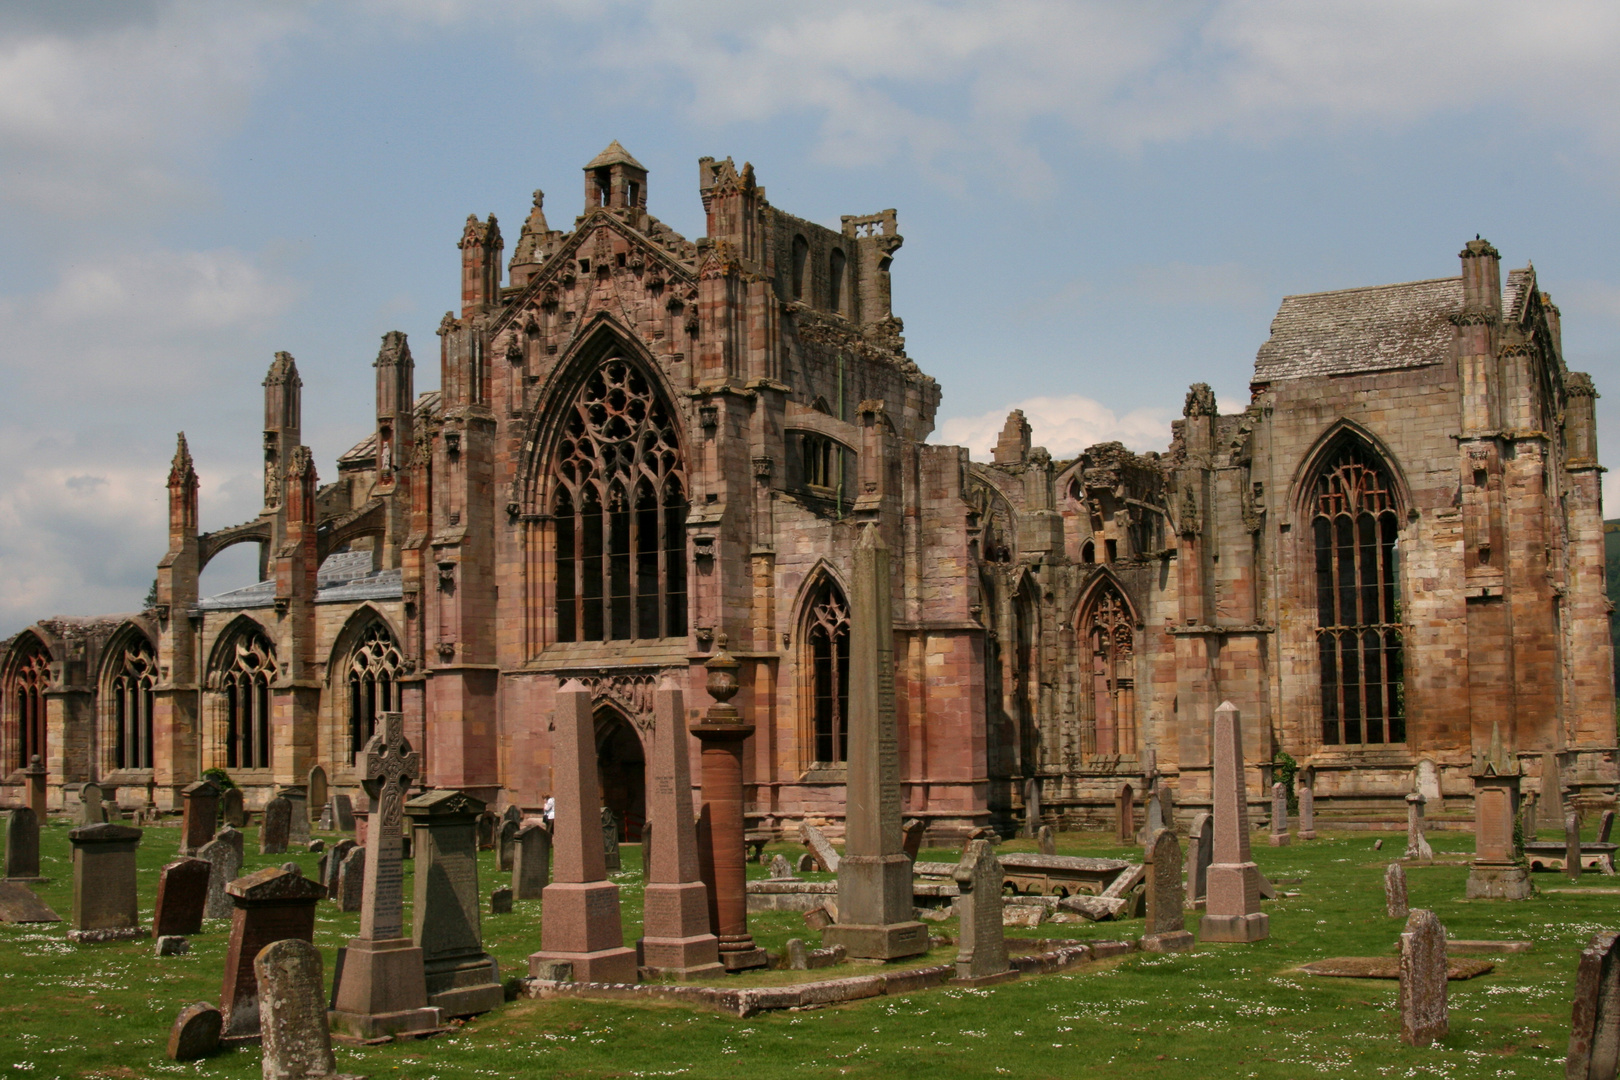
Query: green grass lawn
1223, 1011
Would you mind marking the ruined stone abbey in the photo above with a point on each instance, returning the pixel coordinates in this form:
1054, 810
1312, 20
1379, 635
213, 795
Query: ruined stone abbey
646, 449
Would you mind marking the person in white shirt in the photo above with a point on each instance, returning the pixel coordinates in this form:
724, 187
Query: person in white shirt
550, 812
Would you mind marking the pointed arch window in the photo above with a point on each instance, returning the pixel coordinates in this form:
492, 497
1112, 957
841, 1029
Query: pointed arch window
30, 680
826, 640
246, 682
1354, 529
133, 695
373, 679
1108, 630
619, 510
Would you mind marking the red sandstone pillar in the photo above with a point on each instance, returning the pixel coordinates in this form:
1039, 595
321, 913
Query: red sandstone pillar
722, 732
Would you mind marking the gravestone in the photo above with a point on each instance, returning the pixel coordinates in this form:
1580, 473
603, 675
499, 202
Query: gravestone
1417, 843
1424, 1016
531, 863
676, 937
195, 1034
275, 827
342, 813
1307, 807
781, 869
1551, 805
512, 813
820, 847
22, 846
201, 816
1496, 872
610, 840
267, 905
876, 917
104, 903
292, 1012
1166, 927
1152, 816
328, 821
90, 811
379, 987
224, 866
1594, 1031
182, 897
1572, 845
171, 945
1232, 906
912, 832
233, 837
462, 979
34, 778
1125, 814
316, 789
982, 949
807, 863
1395, 891
297, 815
1528, 815
334, 863
351, 880
500, 901
1045, 842
798, 958
580, 909
231, 808
1605, 826
1279, 815
488, 822
1200, 853
508, 838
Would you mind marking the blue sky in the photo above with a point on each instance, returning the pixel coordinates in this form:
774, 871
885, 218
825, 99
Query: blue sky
1101, 202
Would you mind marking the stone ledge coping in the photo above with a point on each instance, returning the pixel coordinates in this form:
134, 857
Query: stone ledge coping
1052, 956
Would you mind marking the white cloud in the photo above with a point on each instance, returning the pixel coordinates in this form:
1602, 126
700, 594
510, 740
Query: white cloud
1065, 425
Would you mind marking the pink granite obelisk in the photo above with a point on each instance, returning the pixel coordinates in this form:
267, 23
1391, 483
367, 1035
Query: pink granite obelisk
675, 930
1232, 903
579, 910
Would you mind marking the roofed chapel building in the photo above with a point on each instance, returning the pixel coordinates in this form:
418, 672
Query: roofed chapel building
645, 449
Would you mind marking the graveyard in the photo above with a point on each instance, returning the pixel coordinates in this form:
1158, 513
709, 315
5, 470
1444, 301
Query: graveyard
1220, 1009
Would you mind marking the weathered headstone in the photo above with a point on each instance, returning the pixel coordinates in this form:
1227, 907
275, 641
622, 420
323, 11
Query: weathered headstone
104, 903
580, 908
1395, 891
34, 780
343, 813
201, 816
1572, 845
1424, 1017
1232, 906
18, 904
462, 979
1605, 826
351, 880
231, 808
269, 905
982, 948
328, 820
507, 853
275, 826
334, 863
297, 815
1200, 853
233, 836
1496, 872
876, 917
1527, 815
182, 897
316, 789
488, 822
781, 869
512, 813
22, 845
1551, 806
1166, 925
531, 862
1152, 815
912, 833
797, 956
1306, 795
1417, 843
292, 1012
195, 1033
171, 945
610, 840
500, 901
1279, 815
224, 866
379, 988
1594, 1032
1045, 842
821, 849
807, 863
676, 937
1125, 814
90, 811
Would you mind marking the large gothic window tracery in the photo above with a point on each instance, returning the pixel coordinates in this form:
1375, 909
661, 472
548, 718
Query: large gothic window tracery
619, 508
133, 682
373, 680
250, 668
826, 636
1108, 633
30, 679
1354, 529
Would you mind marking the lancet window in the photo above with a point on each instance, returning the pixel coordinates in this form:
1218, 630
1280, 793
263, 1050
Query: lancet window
1354, 532
1108, 630
132, 693
32, 677
827, 644
619, 509
246, 682
373, 683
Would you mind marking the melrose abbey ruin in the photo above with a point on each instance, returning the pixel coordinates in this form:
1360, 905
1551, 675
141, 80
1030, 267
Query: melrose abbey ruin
646, 450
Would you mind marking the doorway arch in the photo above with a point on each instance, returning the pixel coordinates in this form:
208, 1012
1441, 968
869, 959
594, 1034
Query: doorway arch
621, 765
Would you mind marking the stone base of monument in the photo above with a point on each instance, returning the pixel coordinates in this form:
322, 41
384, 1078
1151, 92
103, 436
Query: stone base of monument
378, 990
678, 958
1278, 839
121, 933
895, 941
1242, 928
1307, 834
745, 959
1499, 881
1170, 941
464, 987
985, 980
27, 880
602, 966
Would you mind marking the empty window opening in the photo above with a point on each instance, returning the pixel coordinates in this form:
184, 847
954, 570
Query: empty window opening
828, 642
604, 187
246, 684
835, 281
132, 691
801, 255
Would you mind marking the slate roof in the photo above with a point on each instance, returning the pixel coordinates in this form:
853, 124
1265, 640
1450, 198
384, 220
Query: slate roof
1349, 331
344, 576
614, 154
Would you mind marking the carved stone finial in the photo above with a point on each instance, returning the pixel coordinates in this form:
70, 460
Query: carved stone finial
1200, 401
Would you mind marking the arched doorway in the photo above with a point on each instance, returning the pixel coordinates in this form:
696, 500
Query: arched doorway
622, 769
